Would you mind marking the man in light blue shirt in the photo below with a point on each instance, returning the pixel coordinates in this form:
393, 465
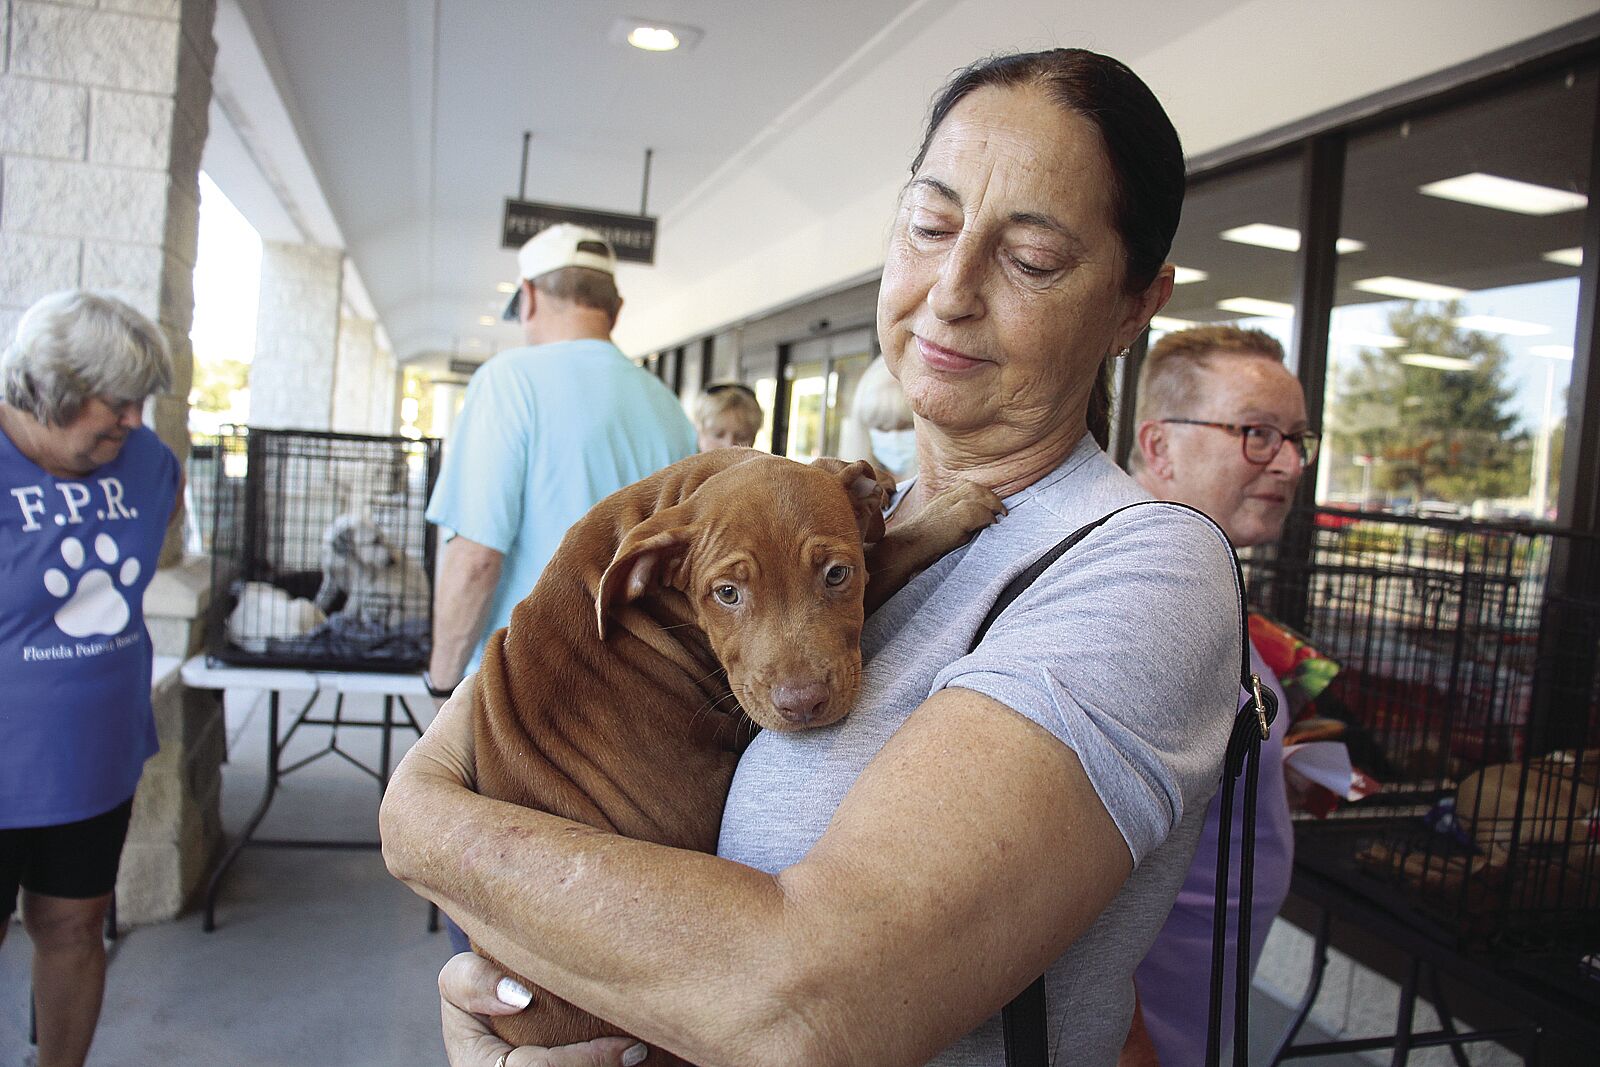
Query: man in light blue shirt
547, 430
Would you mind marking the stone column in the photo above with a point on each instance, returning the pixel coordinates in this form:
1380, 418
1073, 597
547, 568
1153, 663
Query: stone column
102, 120
355, 375
385, 416
297, 337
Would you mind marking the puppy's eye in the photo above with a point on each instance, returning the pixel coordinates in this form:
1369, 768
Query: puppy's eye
837, 575
727, 594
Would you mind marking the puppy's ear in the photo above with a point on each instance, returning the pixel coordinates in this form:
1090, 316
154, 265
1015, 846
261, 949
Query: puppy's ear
649, 555
869, 490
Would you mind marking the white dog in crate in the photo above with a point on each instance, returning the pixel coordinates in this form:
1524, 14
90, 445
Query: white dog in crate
382, 585
265, 613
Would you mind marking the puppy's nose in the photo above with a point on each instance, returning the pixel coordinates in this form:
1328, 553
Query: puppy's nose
800, 703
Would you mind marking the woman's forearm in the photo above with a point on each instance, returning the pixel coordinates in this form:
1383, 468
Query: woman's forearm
601, 920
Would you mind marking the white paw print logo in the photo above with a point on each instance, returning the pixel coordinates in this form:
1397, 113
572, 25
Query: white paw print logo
97, 606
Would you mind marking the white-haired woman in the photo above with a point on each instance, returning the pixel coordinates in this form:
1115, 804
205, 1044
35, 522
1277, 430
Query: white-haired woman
879, 425
87, 493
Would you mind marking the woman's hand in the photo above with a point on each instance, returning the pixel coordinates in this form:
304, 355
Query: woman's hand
470, 986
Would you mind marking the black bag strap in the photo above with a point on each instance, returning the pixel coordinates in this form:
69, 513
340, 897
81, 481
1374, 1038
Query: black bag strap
1023, 1020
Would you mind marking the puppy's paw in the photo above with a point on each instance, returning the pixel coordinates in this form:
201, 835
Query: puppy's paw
966, 507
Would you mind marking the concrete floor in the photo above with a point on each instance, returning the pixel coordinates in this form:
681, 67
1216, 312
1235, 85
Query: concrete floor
319, 957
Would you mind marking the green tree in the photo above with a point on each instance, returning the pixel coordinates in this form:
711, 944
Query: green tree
1431, 432
216, 384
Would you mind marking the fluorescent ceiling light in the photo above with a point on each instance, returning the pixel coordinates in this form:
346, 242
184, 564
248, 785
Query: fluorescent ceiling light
485, 320
1495, 324
1552, 351
1368, 339
1185, 275
1504, 194
1567, 257
1170, 325
1249, 305
506, 287
1408, 289
1265, 235
654, 35
653, 38
1428, 359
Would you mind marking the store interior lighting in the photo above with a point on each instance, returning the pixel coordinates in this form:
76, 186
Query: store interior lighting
1567, 257
1284, 239
1250, 305
1504, 194
1496, 324
1428, 359
1185, 275
1408, 288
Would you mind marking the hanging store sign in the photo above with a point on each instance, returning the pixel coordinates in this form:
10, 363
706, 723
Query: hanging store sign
633, 237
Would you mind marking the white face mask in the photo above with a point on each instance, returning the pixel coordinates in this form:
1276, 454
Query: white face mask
895, 449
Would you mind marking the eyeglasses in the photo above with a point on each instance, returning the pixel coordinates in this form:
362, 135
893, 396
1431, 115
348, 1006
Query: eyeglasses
722, 387
1261, 443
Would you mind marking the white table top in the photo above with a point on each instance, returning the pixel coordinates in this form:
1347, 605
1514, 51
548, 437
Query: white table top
198, 675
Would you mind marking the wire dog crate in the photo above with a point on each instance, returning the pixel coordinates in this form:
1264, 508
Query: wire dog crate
321, 556
1469, 691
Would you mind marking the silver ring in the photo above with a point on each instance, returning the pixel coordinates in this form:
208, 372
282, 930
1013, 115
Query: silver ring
504, 1056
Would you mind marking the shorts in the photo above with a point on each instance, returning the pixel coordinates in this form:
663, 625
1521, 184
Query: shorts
76, 860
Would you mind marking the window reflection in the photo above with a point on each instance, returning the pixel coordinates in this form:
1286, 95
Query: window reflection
1450, 347
1235, 254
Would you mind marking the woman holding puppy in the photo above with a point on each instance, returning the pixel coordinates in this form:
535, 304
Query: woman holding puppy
887, 884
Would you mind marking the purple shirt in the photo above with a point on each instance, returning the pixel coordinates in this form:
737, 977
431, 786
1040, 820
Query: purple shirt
76, 555
1174, 979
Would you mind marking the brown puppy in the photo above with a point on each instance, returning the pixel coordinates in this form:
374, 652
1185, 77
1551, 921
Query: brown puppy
730, 584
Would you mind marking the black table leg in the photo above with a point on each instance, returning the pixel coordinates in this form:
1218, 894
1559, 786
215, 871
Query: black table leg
243, 839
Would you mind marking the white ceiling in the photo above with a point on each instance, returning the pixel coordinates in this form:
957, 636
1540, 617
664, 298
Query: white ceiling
410, 115
393, 128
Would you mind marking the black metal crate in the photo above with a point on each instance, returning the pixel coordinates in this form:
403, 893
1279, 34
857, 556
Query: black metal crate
1469, 692
321, 556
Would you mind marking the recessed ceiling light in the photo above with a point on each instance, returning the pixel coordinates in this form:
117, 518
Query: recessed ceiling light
1504, 194
1428, 359
1249, 305
1266, 235
1170, 325
1552, 351
1408, 289
485, 320
1368, 339
1567, 257
654, 35
506, 287
1495, 324
1185, 275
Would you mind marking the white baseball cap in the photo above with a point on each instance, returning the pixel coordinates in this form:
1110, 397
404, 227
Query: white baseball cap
555, 247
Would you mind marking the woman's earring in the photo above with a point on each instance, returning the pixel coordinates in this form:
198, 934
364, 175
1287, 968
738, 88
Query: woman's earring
1126, 351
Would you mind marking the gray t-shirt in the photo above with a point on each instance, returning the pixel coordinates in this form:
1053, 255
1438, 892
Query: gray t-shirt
1127, 649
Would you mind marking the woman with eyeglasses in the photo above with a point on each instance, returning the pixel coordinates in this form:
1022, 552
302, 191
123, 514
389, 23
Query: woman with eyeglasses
1221, 427
88, 494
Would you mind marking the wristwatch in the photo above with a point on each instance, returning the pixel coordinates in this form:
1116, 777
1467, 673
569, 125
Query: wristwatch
435, 691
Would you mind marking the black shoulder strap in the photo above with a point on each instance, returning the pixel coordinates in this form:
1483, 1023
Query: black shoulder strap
1023, 1021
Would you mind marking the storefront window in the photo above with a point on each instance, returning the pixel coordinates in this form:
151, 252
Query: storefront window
1235, 254
822, 381
1451, 341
